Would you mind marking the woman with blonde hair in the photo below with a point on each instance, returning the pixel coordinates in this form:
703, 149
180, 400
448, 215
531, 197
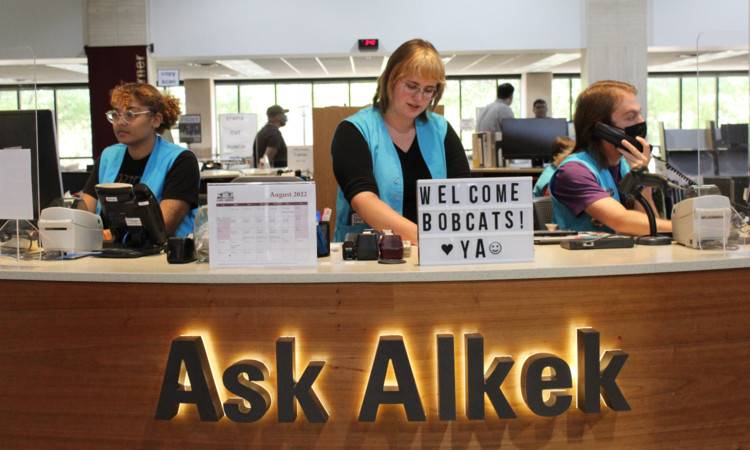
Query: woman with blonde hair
380, 152
140, 113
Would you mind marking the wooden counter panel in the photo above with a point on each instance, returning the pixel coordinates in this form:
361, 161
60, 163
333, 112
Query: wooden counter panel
81, 364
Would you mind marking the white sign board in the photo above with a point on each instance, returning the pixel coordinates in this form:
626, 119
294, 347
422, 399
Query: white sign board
260, 224
475, 220
300, 157
17, 200
167, 77
236, 134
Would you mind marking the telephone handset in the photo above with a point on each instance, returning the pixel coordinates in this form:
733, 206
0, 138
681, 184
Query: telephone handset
614, 136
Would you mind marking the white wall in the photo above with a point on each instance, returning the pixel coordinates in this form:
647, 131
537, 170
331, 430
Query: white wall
56, 28
299, 27
676, 24
53, 29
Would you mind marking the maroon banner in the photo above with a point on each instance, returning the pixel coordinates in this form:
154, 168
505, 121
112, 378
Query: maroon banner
108, 67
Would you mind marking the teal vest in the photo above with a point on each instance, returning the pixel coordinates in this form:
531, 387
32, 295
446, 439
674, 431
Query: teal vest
386, 164
564, 218
162, 157
543, 180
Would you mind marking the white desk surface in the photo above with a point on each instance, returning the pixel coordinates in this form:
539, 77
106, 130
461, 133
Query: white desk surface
551, 261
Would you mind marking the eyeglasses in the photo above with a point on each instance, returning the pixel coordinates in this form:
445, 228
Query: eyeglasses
128, 116
426, 92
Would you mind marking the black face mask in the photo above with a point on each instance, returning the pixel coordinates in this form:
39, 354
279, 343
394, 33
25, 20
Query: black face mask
638, 129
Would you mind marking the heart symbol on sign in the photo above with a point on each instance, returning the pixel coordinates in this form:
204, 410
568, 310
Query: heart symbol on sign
447, 248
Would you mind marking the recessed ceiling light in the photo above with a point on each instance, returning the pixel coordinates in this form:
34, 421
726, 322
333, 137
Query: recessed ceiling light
202, 64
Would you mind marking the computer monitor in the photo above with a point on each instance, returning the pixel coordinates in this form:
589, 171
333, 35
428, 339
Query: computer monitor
734, 135
35, 130
133, 215
531, 138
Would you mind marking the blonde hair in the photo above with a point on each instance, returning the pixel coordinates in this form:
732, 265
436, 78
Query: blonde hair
166, 105
416, 57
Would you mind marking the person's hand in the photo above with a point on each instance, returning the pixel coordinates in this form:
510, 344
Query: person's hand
633, 156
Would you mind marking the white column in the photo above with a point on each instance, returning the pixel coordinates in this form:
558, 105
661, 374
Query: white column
616, 36
199, 95
534, 86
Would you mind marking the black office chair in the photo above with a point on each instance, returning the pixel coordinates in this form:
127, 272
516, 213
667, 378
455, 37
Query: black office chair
542, 212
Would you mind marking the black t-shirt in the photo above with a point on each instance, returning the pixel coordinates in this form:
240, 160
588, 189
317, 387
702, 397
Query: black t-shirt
181, 183
352, 165
270, 136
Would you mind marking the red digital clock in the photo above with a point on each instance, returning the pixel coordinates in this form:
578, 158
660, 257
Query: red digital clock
368, 44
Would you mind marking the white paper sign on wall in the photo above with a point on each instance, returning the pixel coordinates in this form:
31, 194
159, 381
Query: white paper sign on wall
236, 134
167, 77
475, 220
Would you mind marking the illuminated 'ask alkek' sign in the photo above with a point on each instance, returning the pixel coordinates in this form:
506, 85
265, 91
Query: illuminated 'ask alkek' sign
595, 377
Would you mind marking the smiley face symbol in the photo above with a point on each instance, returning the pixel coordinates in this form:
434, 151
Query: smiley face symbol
496, 248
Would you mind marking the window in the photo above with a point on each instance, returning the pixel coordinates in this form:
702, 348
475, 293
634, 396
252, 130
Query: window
297, 98
451, 102
733, 95
42, 99
256, 98
517, 95
362, 92
8, 100
330, 94
475, 94
73, 123
663, 106
561, 99
698, 101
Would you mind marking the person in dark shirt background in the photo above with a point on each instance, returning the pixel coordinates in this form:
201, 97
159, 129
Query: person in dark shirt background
140, 113
380, 152
269, 142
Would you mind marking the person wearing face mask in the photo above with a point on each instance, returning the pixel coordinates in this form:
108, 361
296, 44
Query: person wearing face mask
140, 113
270, 141
380, 152
584, 190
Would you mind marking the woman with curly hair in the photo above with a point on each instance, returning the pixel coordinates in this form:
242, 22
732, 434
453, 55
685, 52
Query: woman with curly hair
140, 113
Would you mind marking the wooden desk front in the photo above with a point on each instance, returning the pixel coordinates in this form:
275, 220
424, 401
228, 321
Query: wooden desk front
82, 362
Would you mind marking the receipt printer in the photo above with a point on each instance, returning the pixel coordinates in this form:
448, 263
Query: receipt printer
70, 230
703, 221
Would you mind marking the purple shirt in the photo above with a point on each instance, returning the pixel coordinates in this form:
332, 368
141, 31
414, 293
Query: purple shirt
576, 187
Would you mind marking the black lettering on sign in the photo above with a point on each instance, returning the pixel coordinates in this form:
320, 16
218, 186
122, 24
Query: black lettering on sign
391, 349
454, 198
480, 249
514, 192
594, 380
290, 390
533, 384
508, 219
202, 393
479, 383
500, 193
441, 194
425, 197
473, 198
426, 221
446, 377
238, 379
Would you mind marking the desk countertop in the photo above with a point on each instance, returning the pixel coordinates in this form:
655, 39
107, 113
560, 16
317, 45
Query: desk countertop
550, 262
